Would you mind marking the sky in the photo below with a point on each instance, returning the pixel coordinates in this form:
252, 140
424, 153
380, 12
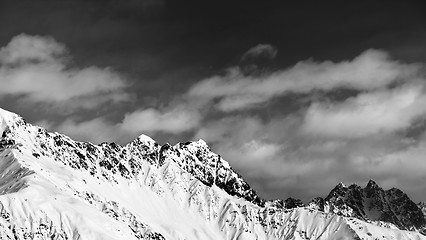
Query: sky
296, 96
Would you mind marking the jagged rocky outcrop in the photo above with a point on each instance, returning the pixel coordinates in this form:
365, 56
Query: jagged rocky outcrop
52, 187
372, 203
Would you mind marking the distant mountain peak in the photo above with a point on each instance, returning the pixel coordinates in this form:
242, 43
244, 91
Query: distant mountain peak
373, 203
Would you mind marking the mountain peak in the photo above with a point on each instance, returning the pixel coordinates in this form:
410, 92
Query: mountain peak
338, 191
145, 139
372, 185
201, 142
9, 122
7, 117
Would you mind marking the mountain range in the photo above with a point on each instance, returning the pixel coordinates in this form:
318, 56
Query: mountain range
52, 187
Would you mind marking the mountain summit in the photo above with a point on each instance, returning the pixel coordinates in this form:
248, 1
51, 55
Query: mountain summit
52, 187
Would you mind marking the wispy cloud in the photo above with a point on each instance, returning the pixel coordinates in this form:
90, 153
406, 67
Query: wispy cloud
35, 70
261, 50
371, 70
151, 120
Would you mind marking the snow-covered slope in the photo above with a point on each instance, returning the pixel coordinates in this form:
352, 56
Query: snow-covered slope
52, 187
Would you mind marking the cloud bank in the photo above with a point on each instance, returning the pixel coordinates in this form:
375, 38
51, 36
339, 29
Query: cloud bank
372, 69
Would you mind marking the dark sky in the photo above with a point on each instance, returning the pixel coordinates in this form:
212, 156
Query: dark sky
146, 37
165, 52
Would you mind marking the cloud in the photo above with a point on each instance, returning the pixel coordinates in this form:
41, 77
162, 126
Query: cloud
367, 114
248, 141
142, 121
34, 70
260, 151
234, 129
152, 120
261, 50
373, 69
96, 130
26, 49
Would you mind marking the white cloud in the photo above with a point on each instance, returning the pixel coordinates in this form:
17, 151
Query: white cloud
367, 114
24, 49
152, 120
261, 50
372, 69
34, 69
142, 121
260, 151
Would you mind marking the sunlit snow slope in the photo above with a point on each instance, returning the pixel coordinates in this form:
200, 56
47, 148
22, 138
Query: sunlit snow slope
55, 188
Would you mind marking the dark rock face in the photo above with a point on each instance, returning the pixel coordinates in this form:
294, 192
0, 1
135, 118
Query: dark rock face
289, 203
406, 211
293, 203
373, 203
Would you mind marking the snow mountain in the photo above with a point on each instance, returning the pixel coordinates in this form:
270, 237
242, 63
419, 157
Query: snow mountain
52, 187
